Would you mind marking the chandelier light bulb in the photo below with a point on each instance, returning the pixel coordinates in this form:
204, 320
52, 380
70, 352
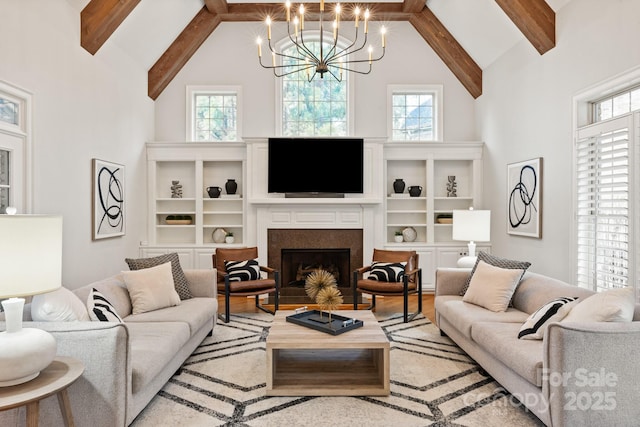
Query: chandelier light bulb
356, 13
268, 22
259, 42
287, 5
383, 32
366, 21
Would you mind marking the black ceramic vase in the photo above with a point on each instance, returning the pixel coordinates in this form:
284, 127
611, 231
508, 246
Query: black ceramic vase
231, 186
398, 185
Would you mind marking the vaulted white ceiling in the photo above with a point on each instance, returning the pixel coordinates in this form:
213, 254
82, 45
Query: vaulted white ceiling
481, 27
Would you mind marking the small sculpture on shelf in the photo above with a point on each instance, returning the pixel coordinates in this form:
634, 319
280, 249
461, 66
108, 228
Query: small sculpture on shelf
451, 186
176, 190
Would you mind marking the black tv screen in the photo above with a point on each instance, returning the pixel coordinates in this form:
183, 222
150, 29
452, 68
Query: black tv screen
315, 165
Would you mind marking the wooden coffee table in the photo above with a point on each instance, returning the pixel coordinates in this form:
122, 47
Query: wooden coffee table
304, 362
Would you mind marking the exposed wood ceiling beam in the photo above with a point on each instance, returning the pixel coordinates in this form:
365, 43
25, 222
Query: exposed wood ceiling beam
535, 19
100, 18
217, 6
413, 6
449, 50
181, 50
251, 12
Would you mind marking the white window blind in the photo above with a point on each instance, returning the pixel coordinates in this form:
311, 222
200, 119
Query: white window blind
603, 210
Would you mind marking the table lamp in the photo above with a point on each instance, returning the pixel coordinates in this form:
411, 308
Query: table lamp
30, 264
471, 226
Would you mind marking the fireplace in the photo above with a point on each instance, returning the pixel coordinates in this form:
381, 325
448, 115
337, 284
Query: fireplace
297, 264
297, 252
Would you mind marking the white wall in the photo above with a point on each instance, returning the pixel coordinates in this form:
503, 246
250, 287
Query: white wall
229, 57
526, 112
84, 107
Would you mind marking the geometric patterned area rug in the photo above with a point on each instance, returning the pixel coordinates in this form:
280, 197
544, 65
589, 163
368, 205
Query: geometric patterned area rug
433, 383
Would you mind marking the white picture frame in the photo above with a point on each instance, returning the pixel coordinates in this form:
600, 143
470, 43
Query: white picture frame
108, 209
524, 198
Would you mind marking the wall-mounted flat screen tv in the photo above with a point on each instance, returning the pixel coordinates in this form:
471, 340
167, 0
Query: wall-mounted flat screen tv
318, 167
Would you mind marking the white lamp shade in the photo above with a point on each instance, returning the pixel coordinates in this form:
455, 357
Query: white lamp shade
472, 225
30, 254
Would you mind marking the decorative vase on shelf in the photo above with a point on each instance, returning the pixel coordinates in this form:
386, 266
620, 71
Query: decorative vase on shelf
214, 192
229, 238
409, 234
231, 186
218, 235
398, 185
398, 238
415, 191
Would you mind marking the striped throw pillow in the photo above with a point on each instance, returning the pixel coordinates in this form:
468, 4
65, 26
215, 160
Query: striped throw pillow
387, 271
242, 270
553, 311
100, 309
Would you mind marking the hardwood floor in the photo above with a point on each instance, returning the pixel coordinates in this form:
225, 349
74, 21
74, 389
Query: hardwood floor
387, 305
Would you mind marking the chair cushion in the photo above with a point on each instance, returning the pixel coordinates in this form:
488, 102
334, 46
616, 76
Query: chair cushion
242, 270
387, 271
249, 286
390, 288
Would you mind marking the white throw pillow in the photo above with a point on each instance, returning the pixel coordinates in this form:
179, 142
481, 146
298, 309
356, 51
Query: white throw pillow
554, 311
151, 288
492, 287
61, 305
614, 305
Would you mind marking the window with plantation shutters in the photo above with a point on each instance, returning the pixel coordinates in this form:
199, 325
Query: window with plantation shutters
603, 175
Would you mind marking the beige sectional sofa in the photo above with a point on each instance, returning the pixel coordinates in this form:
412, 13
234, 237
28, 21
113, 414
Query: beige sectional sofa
126, 364
579, 374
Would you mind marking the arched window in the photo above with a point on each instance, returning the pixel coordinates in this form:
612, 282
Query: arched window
317, 108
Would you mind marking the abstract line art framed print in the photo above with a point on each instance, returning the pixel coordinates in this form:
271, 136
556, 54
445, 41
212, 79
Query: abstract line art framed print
108, 207
524, 198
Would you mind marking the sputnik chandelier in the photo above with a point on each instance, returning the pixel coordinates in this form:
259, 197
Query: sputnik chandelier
320, 52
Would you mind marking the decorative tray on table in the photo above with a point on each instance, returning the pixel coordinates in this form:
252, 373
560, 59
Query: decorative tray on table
319, 320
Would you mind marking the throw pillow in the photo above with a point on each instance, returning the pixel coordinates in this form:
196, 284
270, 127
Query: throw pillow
496, 262
614, 305
100, 309
151, 288
242, 270
536, 325
492, 287
61, 305
387, 271
179, 279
